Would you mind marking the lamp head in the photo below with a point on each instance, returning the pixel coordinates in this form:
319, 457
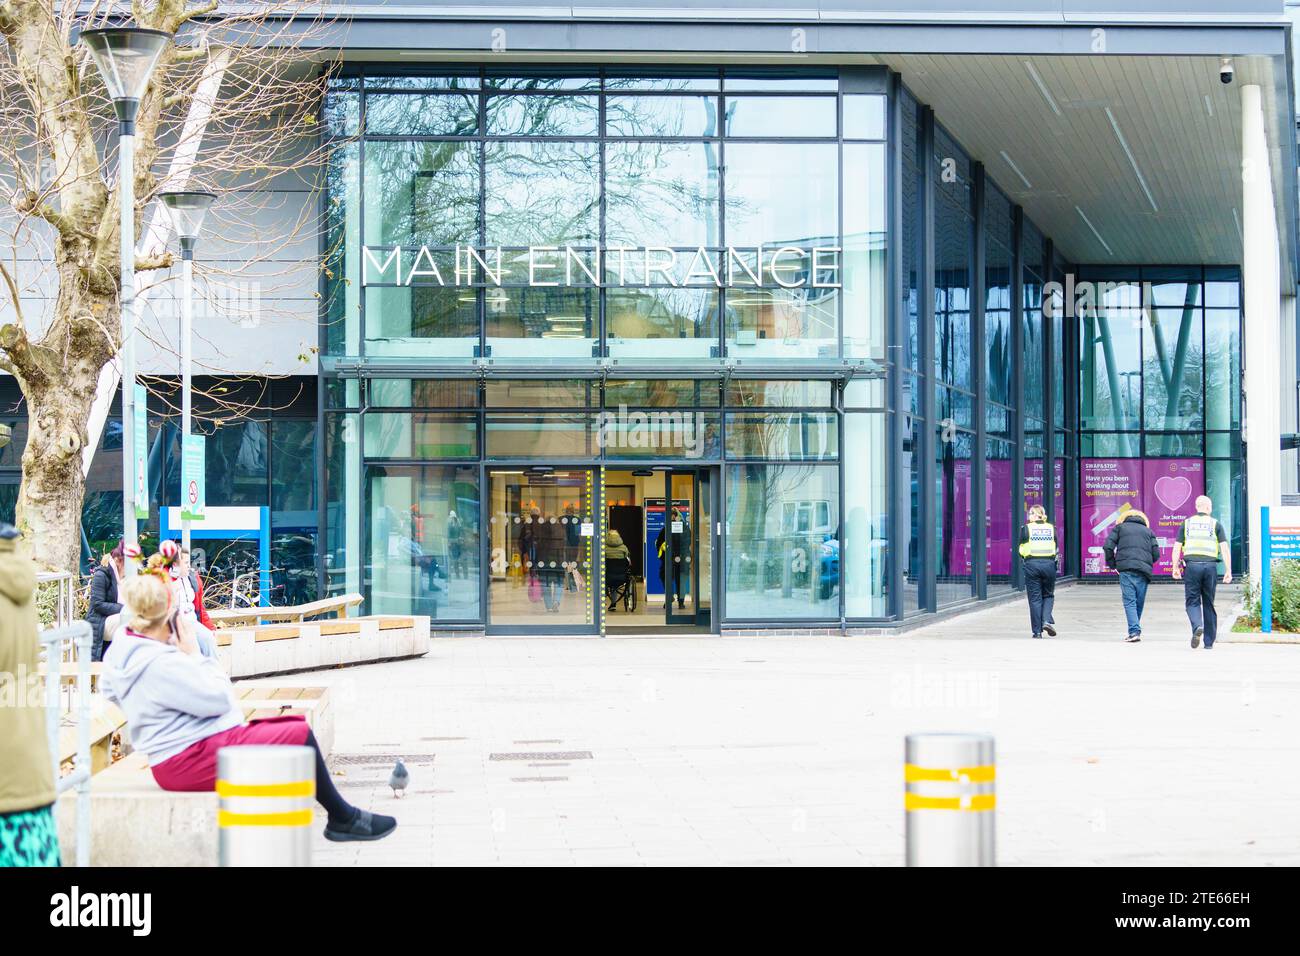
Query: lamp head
187, 210
125, 57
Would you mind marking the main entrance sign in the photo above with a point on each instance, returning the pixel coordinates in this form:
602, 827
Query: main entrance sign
786, 267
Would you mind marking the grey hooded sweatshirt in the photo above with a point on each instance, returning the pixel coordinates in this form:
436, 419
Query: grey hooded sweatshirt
171, 699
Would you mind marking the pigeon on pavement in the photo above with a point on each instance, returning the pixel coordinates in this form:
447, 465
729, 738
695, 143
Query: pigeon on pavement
399, 779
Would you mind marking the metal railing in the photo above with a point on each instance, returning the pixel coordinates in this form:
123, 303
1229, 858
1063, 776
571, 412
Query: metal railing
69, 640
65, 594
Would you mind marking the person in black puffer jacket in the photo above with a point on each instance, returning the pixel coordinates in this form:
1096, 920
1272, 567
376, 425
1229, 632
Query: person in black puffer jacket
104, 601
1132, 550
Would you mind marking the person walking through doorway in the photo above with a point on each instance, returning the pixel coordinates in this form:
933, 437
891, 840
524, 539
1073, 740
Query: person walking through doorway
1132, 550
1201, 542
1038, 552
544, 542
680, 530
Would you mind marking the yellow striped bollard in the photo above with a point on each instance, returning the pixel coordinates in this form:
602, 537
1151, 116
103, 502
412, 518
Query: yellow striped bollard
950, 798
265, 809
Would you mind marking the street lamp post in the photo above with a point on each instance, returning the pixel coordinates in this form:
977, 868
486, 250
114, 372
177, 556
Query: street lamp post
187, 210
126, 57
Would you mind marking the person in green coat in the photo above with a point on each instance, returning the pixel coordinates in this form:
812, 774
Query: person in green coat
614, 546
28, 834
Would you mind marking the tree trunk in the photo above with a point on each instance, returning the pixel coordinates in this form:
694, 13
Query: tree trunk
59, 378
50, 496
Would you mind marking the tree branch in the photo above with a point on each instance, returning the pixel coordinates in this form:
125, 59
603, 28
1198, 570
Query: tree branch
200, 11
13, 339
13, 292
164, 261
30, 204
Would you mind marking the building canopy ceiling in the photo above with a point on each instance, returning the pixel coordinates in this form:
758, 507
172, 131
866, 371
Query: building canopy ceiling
1119, 159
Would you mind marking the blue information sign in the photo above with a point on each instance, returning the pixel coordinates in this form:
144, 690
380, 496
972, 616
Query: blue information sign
654, 523
1279, 541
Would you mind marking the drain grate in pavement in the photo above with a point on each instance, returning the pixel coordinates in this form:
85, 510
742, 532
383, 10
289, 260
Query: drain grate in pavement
345, 760
538, 779
557, 755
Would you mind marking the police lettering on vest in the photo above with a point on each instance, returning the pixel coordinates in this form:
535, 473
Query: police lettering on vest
1200, 537
1042, 541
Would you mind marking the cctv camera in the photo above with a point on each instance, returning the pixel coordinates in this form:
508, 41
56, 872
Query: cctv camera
1225, 71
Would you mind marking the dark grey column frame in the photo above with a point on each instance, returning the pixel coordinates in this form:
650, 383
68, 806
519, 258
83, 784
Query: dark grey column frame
1017, 382
1049, 395
979, 375
928, 592
898, 486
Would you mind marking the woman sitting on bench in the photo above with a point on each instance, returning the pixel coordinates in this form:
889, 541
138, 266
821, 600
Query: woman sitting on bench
180, 708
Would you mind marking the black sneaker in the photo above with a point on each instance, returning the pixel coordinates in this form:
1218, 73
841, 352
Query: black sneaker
1196, 637
1036, 636
364, 826
1133, 639
1049, 629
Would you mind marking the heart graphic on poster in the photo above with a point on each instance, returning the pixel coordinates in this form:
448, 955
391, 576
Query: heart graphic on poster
1173, 492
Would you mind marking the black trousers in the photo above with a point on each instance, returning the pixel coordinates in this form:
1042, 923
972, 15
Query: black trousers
1040, 586
1200, 580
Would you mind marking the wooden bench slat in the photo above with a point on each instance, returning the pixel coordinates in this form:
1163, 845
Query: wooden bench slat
280, 633
337, 606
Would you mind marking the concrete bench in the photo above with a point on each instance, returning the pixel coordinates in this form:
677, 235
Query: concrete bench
134, 822
262, 650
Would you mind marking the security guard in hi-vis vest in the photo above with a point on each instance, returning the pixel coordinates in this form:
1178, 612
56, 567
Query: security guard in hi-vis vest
1201, 545
1038, 549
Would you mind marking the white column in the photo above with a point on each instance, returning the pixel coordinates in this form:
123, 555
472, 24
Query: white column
1287, 393
1261, 283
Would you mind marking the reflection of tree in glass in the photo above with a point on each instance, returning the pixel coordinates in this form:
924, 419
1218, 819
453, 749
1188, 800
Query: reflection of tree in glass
661, 193
543, 193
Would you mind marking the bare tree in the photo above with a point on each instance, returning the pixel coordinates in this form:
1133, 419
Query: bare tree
232, 106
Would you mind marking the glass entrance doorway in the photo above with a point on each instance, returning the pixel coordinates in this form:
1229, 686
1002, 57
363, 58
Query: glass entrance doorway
659, 546
541, 550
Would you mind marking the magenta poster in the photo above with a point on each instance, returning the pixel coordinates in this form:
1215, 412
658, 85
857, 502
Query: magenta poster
1164, 489
1034, 496
998, 519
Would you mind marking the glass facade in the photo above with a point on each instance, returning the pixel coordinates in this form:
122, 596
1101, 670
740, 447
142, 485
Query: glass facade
1160, 391
787, 301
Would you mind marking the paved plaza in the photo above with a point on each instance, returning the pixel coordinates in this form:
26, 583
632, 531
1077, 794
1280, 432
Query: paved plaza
788, 750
